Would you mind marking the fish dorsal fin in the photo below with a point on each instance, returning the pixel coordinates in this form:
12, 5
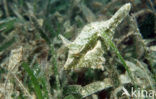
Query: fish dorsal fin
65, 41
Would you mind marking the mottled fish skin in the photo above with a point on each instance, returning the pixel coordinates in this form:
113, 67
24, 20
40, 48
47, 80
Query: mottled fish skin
89, 36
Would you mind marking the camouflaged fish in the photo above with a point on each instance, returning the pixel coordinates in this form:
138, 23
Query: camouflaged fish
86, 50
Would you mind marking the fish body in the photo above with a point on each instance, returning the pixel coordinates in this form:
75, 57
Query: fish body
83, 50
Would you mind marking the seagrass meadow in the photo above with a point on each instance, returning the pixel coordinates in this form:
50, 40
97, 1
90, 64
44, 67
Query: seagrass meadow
77, 49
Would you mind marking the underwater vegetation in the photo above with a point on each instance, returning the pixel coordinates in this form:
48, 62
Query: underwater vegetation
77, 49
